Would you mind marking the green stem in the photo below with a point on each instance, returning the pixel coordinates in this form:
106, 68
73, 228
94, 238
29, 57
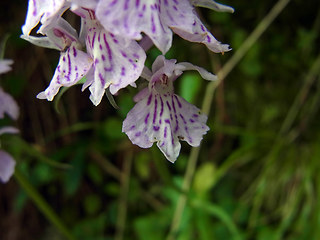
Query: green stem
123, 201
226, 69
42, 205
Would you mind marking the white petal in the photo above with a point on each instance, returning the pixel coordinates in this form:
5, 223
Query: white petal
212, 5
183, 66
41, 42
200, 34
117, 62
7, 165
165, 119
73, 65
44, 10
8, 130
8, 105
130, 18
5, 65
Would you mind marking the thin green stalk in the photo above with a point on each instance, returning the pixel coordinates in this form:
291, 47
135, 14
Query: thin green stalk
42, 205
226, 69
297, 104
123, 201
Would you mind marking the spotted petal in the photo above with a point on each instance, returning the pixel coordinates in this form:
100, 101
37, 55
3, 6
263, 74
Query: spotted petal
72, 66
130, 18
44, 10
117, 62
165, 119
8, 105
7, 165
200, 34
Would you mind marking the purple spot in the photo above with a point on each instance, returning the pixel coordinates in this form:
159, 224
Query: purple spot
161, 111
146, 118
74, 51
135, 56
179, 103
126, 5
168, 105
35, 8
132, 127
123, 71
102, 79
124, 54
108, 47
191, 120
69, 66
155, 110
113, 3
165, 132
156, 128
184, 121
153, 26
138, 134
149, 99
167, 121
93, 39
103, 57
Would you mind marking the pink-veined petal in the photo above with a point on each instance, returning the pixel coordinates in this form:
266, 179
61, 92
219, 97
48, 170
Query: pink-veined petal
8, 105
72, 66
58, 37
162, 116
44, 10
7, 165
177, 13
200, 34
117, 62
165, 119
130, 18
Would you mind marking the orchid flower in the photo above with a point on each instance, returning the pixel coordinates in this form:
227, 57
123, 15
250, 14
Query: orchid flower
162, 116
111, 61
73, 63
7, 106
158, 19
117, 62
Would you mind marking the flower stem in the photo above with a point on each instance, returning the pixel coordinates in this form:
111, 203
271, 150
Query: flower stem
42, 205
226, 69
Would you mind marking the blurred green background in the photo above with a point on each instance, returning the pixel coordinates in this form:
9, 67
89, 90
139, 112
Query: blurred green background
257, 172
